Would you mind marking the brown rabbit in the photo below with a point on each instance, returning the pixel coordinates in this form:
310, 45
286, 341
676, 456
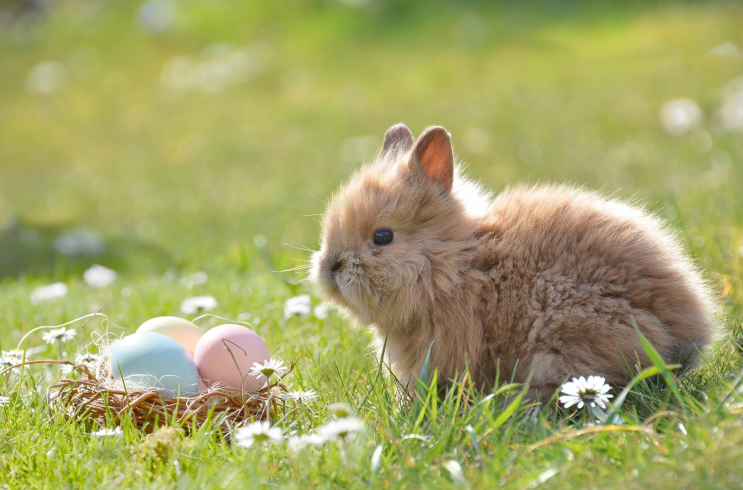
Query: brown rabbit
541, 281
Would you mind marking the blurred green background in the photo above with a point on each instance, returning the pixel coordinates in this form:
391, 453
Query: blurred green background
190, 145
168, 134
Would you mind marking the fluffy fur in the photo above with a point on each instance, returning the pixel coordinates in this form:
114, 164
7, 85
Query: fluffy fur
541, 281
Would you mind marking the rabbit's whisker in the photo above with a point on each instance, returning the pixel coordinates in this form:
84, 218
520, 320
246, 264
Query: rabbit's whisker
311, 194
349, 283
306, 249
299, 267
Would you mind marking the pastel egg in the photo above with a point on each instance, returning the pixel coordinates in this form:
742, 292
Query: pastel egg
218, 364
154, 361
179, 329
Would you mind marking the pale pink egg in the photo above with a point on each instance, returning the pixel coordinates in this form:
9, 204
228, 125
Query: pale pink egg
226, 353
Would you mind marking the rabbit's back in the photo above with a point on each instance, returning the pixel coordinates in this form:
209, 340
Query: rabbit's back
567, 271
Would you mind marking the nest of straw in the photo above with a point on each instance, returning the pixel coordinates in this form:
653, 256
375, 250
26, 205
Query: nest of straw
96, 399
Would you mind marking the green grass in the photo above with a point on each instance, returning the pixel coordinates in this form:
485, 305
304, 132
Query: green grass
178, 182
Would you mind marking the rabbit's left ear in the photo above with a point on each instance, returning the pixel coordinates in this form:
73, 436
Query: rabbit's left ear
398, 139
434, 157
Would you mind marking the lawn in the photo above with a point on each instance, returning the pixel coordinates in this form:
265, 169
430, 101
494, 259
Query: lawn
177, 137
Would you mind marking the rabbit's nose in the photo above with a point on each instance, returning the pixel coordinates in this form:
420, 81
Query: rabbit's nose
334, 263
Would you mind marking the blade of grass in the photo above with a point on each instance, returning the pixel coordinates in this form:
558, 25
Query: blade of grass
658, 362
613, 412
422, 384
507, 412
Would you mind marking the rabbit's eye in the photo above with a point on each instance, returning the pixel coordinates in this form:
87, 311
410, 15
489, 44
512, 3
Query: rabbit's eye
382, 237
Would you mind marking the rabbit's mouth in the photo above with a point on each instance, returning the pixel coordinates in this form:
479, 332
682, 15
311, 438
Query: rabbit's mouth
341, 277
327, 271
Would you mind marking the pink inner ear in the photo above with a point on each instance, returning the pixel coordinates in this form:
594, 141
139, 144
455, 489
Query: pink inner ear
435, 157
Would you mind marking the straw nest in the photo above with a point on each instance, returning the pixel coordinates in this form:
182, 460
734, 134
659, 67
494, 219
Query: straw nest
97, 398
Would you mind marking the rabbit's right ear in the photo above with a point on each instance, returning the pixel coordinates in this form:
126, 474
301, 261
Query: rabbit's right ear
434, 157
398, 139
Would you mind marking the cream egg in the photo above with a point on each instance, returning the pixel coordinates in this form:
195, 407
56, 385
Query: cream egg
179, 329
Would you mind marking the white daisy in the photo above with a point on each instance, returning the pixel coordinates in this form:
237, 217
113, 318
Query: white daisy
580, 391
298, 305
275, 392
195, 279
8, 361
680, 116
298, 443
157, 16
14, 353
59, 334
107, 432
343, 429
98, 276
268, 368
259, 432
301, 395
4, 400
10, 358
731, 110
340, 410
90, 360
198, 304
725, 50
46, 78
49, 292
80, 242
455, 470
321, 311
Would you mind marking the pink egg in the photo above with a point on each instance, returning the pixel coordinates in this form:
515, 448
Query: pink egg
217, 364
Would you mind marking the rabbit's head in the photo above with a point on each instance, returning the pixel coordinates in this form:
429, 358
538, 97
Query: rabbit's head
400, 233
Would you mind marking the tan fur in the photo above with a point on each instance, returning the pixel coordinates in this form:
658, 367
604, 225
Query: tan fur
544, 282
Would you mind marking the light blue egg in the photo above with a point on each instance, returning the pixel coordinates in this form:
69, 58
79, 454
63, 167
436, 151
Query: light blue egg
156, 361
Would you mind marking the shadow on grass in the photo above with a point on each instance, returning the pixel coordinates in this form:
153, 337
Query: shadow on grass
62, 249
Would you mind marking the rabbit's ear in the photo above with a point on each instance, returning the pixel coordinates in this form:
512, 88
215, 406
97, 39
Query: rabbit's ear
433, 155
398, 139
